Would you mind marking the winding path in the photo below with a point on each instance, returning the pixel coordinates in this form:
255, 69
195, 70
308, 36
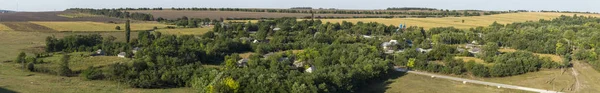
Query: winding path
479, 82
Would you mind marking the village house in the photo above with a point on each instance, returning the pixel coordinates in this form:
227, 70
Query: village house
242, 62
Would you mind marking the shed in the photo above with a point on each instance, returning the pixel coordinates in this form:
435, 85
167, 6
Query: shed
100, 52
310, 69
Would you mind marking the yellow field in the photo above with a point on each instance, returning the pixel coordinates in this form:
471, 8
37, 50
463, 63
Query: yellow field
78, 15
4, 28
186, 31
96, 26
457, 21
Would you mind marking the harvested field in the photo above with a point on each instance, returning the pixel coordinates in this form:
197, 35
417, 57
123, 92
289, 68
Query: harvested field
49, 16
456, 22
27, 26
173, 14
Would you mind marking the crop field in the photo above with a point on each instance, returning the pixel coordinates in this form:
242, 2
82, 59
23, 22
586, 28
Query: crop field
50, 16
186, 31
96, 26
456, 22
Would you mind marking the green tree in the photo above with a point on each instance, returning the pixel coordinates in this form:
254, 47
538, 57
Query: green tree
231, 61
192, 24
411, 62
489, 51
63, 68
21, 59
127, 31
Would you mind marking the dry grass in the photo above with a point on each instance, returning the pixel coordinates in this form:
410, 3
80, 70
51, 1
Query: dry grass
95, 26
477, 60
246, 55
4, 28
587, 76
186, 31
456, 22
553, 57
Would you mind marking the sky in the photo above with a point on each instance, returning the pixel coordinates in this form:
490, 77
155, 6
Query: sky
59, 5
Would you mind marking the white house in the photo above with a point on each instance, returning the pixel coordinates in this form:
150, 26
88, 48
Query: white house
121, 55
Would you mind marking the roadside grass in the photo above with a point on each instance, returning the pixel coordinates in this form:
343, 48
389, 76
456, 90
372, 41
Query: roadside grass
4, 28
456, 22
96, 26
550, 79
246, 55
186, 31
78, 15
412, 83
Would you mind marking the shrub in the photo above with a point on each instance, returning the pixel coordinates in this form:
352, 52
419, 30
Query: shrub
31, 67
92, 74
118, 28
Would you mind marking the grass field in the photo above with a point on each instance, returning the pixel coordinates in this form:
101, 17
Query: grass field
95, 26
81, 61
457, 21
412, 83
186, 31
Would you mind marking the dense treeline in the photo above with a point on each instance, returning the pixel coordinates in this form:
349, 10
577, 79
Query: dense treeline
115, 13
189, 22
410, 8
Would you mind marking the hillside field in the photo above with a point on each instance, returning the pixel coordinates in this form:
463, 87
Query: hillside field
456, 22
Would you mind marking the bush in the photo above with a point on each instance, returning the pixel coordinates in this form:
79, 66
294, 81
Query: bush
118, 28
63, 69
92, 74
31, 67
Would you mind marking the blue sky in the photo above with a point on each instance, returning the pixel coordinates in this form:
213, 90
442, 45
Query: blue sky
563, 5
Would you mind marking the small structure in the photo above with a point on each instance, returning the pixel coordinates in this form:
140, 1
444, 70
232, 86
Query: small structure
298, 64
135, 50
276, 29
310, 69
121, 55
474, 50
242, 62
99, 52
367, 36
255, 41
387, 45
423, 50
